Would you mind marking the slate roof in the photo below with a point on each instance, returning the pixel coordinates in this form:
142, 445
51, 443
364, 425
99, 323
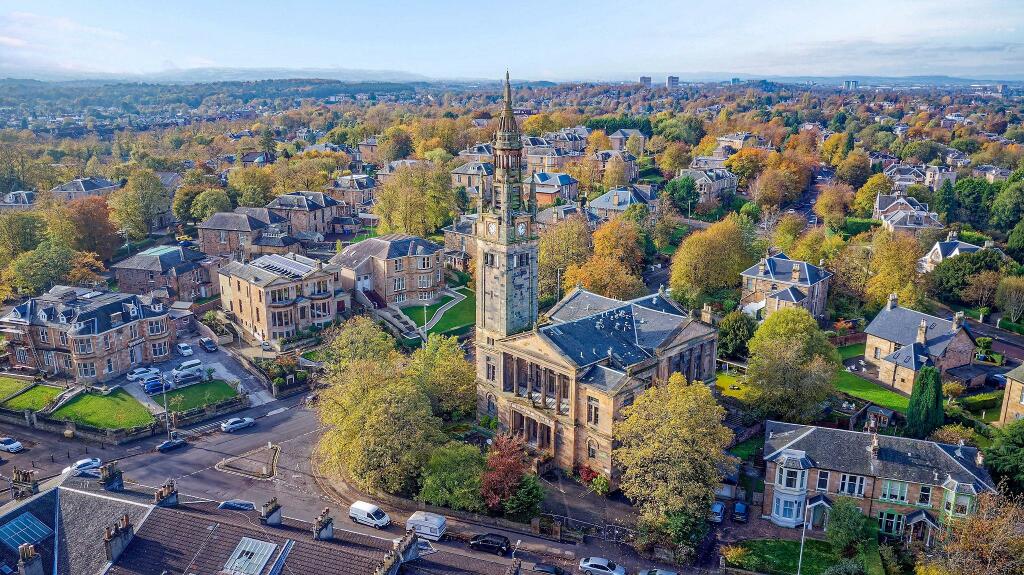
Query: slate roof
955, 247
913, 220
259, 158
555, 214
479, 149
232, 221
790, 294
475, 169
304, 201
170, 180
384, 247
553, 179
605, 155
162, 259
266, 269
604, 378
914, 356
899, 458
707, 174
354, 182
90, 184
780, 268
884, 201
262, 214
625, 133
618, 199
86, 311
899, 324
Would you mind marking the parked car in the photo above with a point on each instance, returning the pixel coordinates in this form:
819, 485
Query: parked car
157, 386
492, 542
236, 423
549, 569
999, 380
84, 465
717, 512
189, 366
740, 512
10, 445
188, 378
600, 566
207, 344
143, 373
184, 349
265, 346
171, 444
368, 514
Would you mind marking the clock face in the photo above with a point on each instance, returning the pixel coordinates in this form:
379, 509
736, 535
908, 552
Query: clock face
491, 228
521, 228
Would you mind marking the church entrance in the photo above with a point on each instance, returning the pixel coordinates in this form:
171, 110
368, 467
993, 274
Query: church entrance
534, 433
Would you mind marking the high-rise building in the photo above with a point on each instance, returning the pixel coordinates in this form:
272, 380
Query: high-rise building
850, 84
734, 81
645, 81
672, 82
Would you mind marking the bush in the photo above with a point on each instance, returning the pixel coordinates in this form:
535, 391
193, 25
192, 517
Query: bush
524, 504
845, 567
846, 526
737, 554
301, 376
587, 474
952, 434
278, 382
982, 401
601, 485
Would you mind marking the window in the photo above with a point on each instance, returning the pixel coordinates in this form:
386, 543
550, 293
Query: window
877, 353
522, 260
83, 345
823, 480
790, 478
133, 331
437, 276
423, 281
110, 366
492, 372
424, 263
48, 358
490, 261
399, 284
890, 523
399, 265
925, 496
63, 339
44, 335
159, 349
86, 370
400, 298
592, 449
894, 491
21, 355
750, 284
852, 485
107, 341
223, 237
156, 327
593, 410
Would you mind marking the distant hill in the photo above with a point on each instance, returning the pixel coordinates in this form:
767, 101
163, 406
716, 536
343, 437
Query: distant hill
204, 75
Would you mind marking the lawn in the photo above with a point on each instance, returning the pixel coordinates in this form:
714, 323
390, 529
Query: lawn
780, 556
9, 386
114, 411
34, 399
417, 314
360, 237
317, 355
856, 386
461, 315
851, 351
723, 381
197, 395
745, 450
677, 238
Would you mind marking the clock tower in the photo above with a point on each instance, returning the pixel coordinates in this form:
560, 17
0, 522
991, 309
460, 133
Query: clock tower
506, 256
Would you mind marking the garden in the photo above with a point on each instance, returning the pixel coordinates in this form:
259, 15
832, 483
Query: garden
459, 317
34, 398
117, 410
9, 386
199, 395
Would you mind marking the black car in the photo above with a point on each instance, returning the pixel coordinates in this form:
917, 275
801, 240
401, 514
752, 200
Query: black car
207, 344
188, 378
497, 544
549, 569
171, 445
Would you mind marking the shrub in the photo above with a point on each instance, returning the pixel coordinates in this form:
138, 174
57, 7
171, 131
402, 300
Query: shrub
952, 434
524, 504
845, 567
601, 485
587, 474
737, 554
278, 381
846, 526
982, 401
301, 376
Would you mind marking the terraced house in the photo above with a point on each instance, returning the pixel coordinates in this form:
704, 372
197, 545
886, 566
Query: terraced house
92, 336
910, 486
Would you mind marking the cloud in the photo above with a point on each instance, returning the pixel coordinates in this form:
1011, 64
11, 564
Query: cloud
35, 41
12, 42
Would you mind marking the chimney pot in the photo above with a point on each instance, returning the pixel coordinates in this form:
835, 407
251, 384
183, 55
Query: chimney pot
874, 445
894, 301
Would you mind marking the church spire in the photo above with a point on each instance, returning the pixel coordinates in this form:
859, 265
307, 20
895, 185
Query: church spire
507, 123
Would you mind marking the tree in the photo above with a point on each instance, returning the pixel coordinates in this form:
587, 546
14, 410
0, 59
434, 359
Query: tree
710, 259
953, 434
505, 469
210, 202
635, 145
394, 144
1015, 243
1005, 457
788, 230
671, 448
181, 205
440, 370
684, 194
855, 169
358, 339
893, 269
925, 413
598, 141
416, 199
615, 174
51, 263
1010, 297
846, 526
747, 164
136, 206
675, 157
96, 233
1008, 207
833, 149
989, 540
974, 197
524, 503
981, 288
451, 477
864, 201
621, 239
604, 275
952, 276
945, 202
833, 202
734, 331
253, 186
561, 245
20, 232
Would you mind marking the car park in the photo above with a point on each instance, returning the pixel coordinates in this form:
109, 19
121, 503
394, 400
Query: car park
236, 423
549, 569
84, 466
490, 542
184, 349
717, 512
10, 445
142, 373
740, 512
368, 514
189, 366
187, 379
600, 566
171, 444
207, 344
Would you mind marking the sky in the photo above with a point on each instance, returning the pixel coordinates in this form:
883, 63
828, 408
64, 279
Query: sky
537, 40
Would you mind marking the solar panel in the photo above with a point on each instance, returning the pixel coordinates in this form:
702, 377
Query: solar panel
24, 528
249, 557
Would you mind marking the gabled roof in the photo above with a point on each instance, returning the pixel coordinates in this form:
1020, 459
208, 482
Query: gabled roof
90, 184
269, 268
231, 221
790, 294
619, 199
899, 458
475, 169
555, 214
910, 203
899, 324
162, 259
384, 247
353, 182
914, 356
625, 133
553, 179
780, 268
304, 200
84, 311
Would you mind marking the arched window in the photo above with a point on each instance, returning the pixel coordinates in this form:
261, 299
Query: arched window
492, 406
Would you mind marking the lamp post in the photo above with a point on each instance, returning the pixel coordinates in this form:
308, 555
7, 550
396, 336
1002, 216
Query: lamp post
167, 414
803, 536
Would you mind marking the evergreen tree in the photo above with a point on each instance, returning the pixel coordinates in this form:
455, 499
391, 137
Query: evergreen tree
925, 415
946, 201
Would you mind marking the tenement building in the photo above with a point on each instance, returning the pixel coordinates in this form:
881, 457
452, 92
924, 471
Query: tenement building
560, 385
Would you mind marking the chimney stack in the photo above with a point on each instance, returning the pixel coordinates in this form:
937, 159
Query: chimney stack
894, 301
706, 315
323, 527
922, 332
796, 272
989, 244
958, 321
762, 267
24, 483
166, 496
951, 236
29, 562
117, 537
979, 459
270, 513
111, 478
874, 445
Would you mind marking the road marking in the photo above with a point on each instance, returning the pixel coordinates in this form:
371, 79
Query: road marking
276, 411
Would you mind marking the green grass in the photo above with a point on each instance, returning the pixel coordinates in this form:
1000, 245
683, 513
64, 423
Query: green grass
315, 355
417, 314
859, 387
197, 395
34, 399
9, 386
775, 556
115, 411
677, 238
460, 315
851, 351
364, 235
724, 380
745, 450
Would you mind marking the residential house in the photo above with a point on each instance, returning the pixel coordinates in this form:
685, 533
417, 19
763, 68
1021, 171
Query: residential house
957, 159
912, 487
354, 193
555, 214
309, 212
476, 177
17, 201
900, 341
936, 176
950, 248
1013, 397
713, 184
84, 187
900, 212
397, 268
258, 159
708, 163
778, 282
601, 159
882, 160
368, 150
571, 140
546, 159
460, 243
621, 136
729, 144
245, 233
277, 296
480, 152
614, 202
990, 173
390, 168
905, 175
551, 186
186, 274
94, 336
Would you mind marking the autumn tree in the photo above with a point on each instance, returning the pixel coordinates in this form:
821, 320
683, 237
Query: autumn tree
598, 141
673, 158
1010, 297
96, 233
833, 149
20, 232
864, 201
586, 173
210, 202
252, 186
989, 540
605, 276
181, 205
504, 470
635, 145
416, 199
788, 230
135, 207
394, 144
683, 193
358, 339
893, 269
561, 245
833, 202
451, 477
747, 164
710, 259
440, 370
981, 288
671, 447
621, 239
855, 169
614, 174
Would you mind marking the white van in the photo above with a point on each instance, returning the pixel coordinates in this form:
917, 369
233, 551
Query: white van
186, 367
429, 526
368, 514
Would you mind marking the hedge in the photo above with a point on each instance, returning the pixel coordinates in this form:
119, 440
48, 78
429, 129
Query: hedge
982, 401
1010, 326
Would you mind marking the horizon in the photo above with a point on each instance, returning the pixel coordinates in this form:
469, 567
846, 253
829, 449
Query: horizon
76, 40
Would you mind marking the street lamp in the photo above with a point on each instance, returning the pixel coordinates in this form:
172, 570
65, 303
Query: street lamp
803, 536
167, 414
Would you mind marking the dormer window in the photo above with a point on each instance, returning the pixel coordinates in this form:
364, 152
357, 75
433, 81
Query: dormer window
157, 306
132, 310
42, 315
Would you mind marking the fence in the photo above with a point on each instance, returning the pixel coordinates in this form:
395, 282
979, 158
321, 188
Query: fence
848, 339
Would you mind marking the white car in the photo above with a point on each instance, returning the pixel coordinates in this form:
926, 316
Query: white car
600, 566
10, 445
184, 349
143, 373
82, 465
236, 423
